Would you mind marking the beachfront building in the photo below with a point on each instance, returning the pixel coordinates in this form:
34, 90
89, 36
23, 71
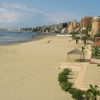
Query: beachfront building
73, 26
86, 22
95, 26
97, 42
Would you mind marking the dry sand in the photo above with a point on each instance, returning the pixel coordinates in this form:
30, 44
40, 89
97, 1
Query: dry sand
28, 70
92, 75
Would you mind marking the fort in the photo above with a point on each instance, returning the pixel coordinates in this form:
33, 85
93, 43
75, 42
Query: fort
86, 22
73, 26
95, 26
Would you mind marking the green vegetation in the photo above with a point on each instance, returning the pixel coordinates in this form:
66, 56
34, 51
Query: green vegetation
77, 93
63, 78
96, 52
91, 94
84, 36
74, 34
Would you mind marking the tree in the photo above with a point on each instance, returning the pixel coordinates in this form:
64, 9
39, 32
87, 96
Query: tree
93, 92
84, 38
77, 39
74, 34
85, 31
83, 52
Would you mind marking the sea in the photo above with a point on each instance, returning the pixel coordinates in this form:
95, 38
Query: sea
16, 37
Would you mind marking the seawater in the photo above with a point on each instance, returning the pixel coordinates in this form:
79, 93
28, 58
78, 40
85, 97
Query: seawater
16, 37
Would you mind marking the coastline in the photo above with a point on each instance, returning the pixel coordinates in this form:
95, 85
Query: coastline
34, 38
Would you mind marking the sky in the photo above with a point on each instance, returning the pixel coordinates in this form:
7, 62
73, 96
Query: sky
31, 13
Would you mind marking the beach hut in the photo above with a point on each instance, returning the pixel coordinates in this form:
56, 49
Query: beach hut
75, 54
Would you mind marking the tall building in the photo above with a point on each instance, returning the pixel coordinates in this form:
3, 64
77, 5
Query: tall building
73, 26
95, 26
86, 22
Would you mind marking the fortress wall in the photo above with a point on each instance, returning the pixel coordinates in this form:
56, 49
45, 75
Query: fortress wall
96, 25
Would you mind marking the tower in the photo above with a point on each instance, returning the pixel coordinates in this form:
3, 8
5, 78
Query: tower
95, 26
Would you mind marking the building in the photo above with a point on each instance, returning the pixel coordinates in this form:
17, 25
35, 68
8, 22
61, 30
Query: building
86, 22
73, 26
97, 42
95, 26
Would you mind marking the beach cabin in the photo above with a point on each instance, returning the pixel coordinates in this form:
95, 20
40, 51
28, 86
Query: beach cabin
75, 54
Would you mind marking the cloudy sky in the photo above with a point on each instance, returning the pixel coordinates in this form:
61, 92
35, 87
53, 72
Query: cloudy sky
29, 13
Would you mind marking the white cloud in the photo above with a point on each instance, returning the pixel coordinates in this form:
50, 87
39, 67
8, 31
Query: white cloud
17, 12
10, 13
8, 16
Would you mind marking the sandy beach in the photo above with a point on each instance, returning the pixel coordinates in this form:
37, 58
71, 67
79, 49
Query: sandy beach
28, 70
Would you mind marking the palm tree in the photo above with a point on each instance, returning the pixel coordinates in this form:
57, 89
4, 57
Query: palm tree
83, 52
77, 39
74, 34
93, 92
85, 38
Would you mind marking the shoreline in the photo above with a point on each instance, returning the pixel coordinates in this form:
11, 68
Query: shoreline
34, 38
24, 41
